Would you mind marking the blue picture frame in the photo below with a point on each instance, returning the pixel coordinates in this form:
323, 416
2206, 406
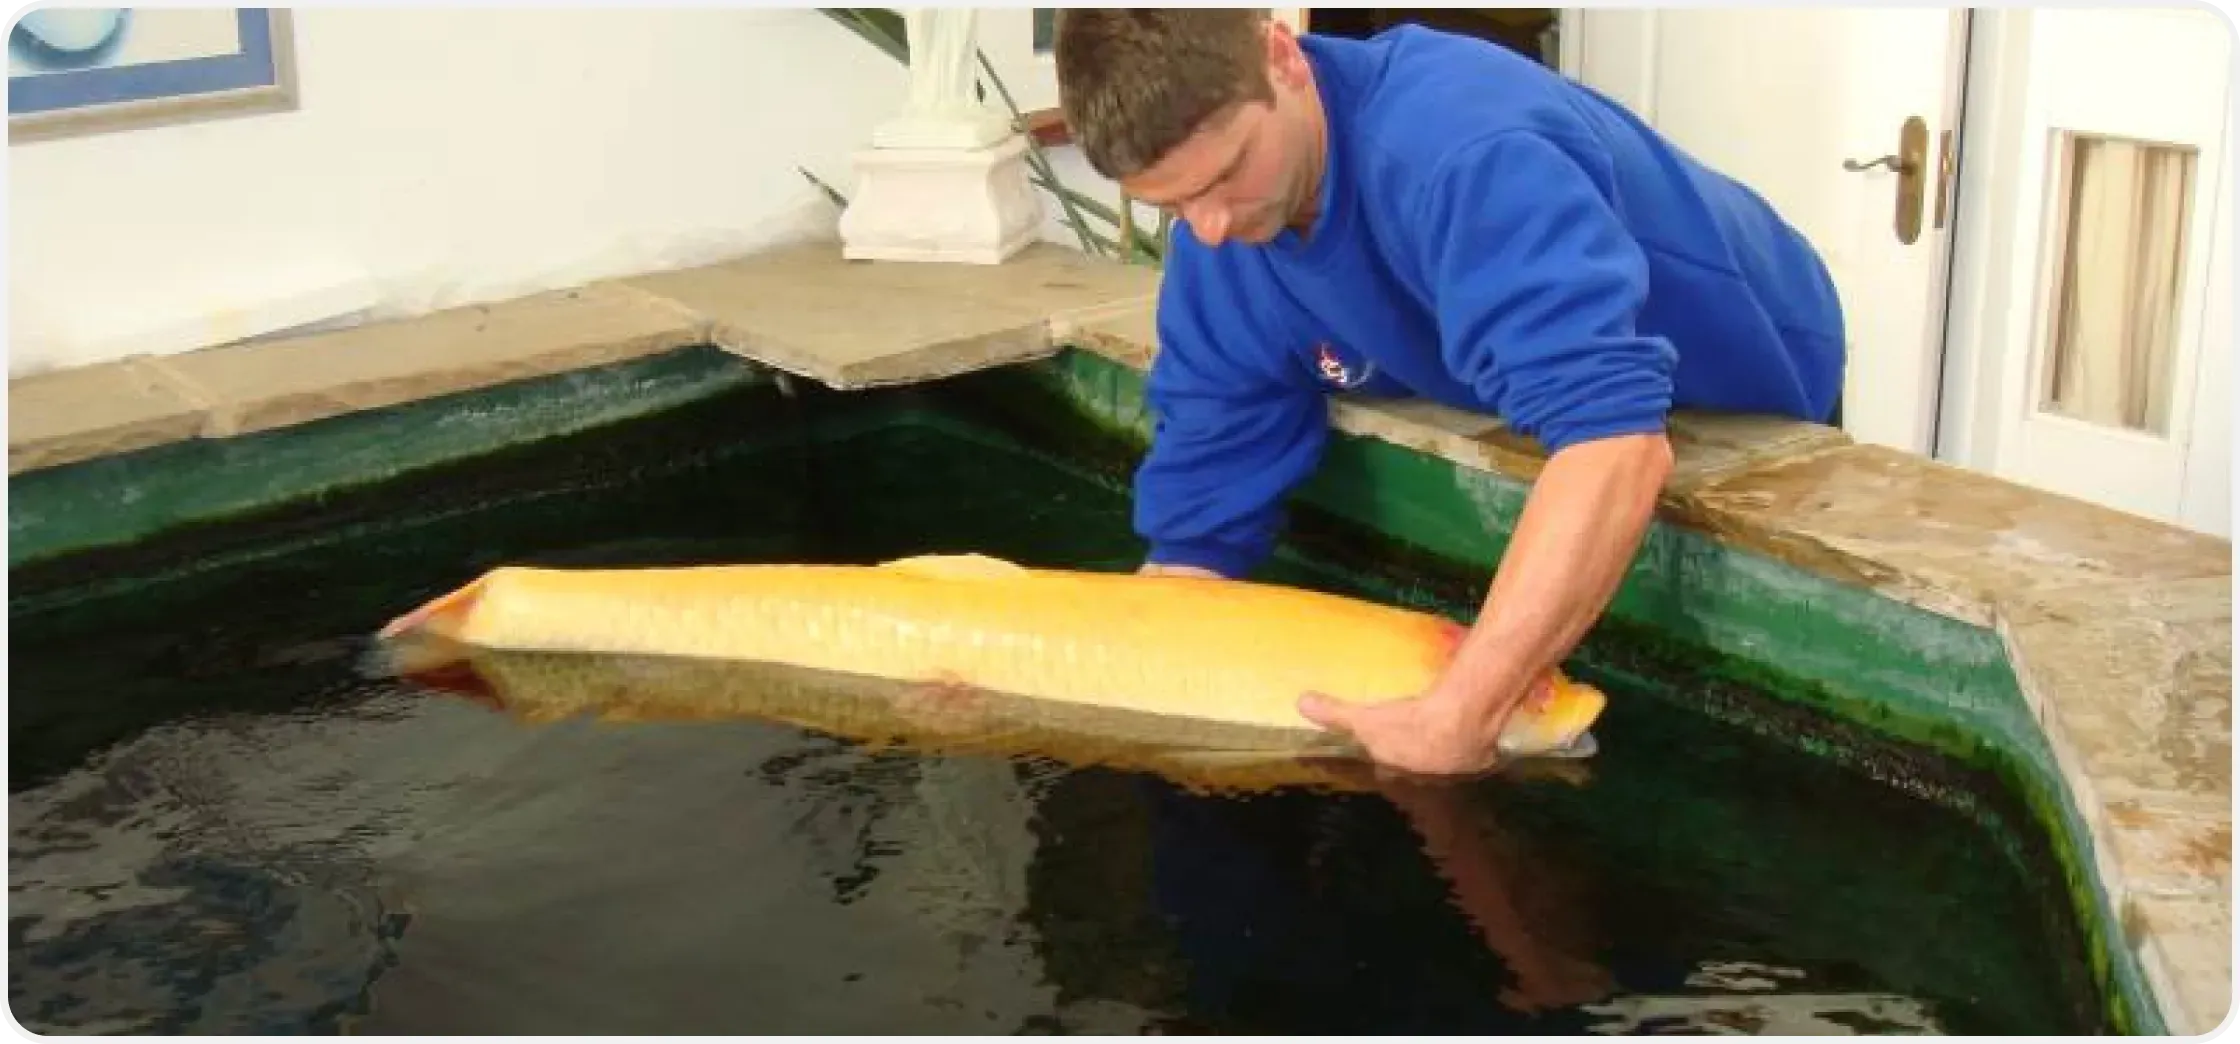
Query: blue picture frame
258, 76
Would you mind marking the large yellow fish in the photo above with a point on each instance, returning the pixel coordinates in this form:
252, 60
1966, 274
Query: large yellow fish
1229, 659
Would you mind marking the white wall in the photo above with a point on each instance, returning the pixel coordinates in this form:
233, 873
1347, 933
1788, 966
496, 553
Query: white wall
441, 156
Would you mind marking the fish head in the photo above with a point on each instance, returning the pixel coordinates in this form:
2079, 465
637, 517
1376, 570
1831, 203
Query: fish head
1554, 721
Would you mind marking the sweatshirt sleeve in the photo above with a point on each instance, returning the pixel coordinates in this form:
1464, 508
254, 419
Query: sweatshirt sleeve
1538, 285
1231, 436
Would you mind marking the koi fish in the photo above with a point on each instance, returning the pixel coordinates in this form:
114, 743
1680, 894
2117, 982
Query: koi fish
1220, 664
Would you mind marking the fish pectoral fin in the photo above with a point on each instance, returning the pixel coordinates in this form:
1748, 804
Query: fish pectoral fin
956, 567
945, 703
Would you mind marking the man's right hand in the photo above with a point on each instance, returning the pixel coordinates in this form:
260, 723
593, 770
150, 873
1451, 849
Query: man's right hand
1156, 569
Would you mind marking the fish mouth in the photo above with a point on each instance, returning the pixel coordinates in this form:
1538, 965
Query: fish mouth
1581, 747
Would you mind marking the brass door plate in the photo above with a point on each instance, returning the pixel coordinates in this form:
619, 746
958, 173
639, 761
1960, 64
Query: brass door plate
1913, 168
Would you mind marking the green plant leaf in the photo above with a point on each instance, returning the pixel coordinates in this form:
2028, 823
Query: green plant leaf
1105, 213
881, 27
1104, 243
1036, 158
831, 193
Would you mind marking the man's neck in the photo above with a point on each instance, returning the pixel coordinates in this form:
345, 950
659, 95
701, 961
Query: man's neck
1318, 162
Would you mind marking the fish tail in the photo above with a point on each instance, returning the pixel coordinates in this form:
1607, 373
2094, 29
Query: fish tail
417, 648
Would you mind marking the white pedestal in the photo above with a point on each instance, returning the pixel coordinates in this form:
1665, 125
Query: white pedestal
961, 205
969, 127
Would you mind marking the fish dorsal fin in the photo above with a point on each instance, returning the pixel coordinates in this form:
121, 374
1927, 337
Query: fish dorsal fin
956, 567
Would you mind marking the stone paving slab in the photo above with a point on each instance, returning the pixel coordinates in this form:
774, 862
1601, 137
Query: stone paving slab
858, 324
1706, 446
1947, 539
255, 386
2185, 945
66, 416
2133, 682
2174, 849
1128, 333
2140, 675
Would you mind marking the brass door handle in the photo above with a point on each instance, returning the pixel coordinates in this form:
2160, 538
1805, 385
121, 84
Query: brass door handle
1893, 162
1908, 163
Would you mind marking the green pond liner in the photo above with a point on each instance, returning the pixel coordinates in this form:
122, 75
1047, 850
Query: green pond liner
1918, 700
115, 501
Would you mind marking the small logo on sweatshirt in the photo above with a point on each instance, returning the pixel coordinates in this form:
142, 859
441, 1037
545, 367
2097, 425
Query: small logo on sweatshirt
1335, 370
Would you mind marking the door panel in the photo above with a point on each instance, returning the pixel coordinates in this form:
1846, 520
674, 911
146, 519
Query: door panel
2104, 372
1779, 99
2207, 501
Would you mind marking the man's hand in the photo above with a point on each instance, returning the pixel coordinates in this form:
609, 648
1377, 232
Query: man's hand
1155, 569
1582, 524
1435, 734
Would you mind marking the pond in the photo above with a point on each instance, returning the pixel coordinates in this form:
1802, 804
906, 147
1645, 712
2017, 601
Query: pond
225, 820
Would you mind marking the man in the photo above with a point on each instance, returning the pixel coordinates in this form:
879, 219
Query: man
1430, 215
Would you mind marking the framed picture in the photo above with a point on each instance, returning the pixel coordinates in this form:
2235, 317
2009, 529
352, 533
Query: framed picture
87, 70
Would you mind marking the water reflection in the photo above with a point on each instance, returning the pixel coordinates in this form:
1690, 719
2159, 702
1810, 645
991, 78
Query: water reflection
969, 849
206, 877
547, 843
873, 712
1528, 906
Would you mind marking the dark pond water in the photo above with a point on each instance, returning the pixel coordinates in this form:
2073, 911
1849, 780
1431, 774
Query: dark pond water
221, 822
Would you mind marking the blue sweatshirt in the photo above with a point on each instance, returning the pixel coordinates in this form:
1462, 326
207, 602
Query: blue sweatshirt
1491, 236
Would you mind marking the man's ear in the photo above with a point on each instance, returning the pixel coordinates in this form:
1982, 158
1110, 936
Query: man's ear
1287, 63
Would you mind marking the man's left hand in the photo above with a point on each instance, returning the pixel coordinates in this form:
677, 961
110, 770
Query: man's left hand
1436, 734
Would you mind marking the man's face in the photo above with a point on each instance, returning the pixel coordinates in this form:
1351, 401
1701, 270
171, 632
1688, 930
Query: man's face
1231, 180
1243, 175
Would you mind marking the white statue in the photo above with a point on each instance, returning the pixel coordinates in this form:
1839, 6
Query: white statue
946, 179
942, 110
940, 58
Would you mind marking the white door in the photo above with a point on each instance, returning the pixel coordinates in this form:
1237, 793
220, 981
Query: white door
1780, 99
2092, 330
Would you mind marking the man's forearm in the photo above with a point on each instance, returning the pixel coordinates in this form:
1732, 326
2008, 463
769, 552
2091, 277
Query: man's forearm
1581, 527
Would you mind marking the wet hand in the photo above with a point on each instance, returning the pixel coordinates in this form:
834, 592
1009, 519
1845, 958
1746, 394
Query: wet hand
1436, 734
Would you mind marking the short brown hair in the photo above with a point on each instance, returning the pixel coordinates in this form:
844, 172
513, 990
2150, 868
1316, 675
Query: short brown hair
1135, 82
